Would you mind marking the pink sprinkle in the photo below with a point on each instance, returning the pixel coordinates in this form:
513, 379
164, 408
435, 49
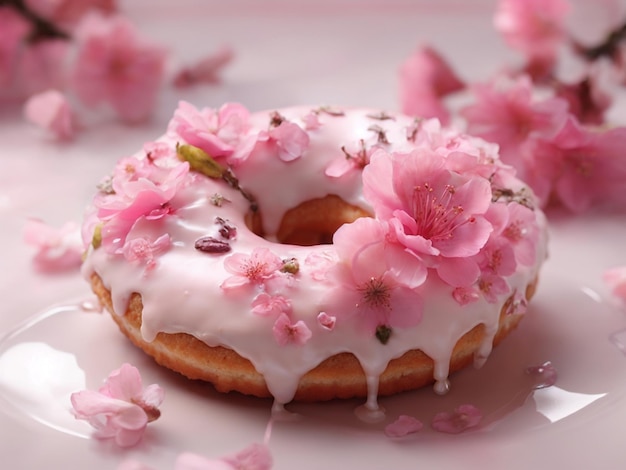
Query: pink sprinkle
403, 426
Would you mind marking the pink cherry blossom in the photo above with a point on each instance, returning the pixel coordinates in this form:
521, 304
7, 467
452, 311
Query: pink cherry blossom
254, 457
42, 66
311, 121
51, 111
14, 29
57, 249
286, 332
520, 230
534, 27
145, 251
121, 409
615, 279
265, 304
365, 287
462, 418
590, 96
433, 212
403, 426
290, 139
220, 133
497, 257
205, 70
356, 157
592, 167
492, 286
506, 113
116, 66
67, 12
425, 78
140, 190
257, 268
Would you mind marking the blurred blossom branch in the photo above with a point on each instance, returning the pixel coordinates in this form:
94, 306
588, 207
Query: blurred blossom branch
551, 126
89, 55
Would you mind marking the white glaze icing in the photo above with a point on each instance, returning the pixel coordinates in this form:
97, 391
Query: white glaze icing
183, 292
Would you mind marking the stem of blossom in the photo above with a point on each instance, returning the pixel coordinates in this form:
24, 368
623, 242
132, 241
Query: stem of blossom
607, 48
43, 29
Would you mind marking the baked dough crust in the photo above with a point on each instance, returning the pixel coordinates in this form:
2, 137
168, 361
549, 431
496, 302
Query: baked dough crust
339, 376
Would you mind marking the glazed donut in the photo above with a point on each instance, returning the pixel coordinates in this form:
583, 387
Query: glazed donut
313, 253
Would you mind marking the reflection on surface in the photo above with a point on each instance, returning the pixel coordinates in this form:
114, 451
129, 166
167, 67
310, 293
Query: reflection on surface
555, 403
38, 380
619, 340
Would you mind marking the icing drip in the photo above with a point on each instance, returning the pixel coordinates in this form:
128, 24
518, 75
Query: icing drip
287, 313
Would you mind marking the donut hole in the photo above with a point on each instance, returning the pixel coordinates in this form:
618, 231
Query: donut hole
312, 222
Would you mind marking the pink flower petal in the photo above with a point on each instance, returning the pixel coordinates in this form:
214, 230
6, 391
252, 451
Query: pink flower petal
535, 27
403, 426
14, 29
326, 321
266, 305
57, 249
290, 139
121, 409
51, 111
425, 78
286, 332
205, 70
114, 65
462, 418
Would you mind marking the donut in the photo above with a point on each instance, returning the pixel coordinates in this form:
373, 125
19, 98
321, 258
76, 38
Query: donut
313, 253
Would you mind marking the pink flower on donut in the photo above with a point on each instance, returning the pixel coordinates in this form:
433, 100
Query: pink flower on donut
220, 133
366, 286
434, 213
138, 189
257, 268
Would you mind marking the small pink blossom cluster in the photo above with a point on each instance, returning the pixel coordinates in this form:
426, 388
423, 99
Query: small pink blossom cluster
447, 209
265, 271
552, 130
140, 191
225, 134
53, 52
